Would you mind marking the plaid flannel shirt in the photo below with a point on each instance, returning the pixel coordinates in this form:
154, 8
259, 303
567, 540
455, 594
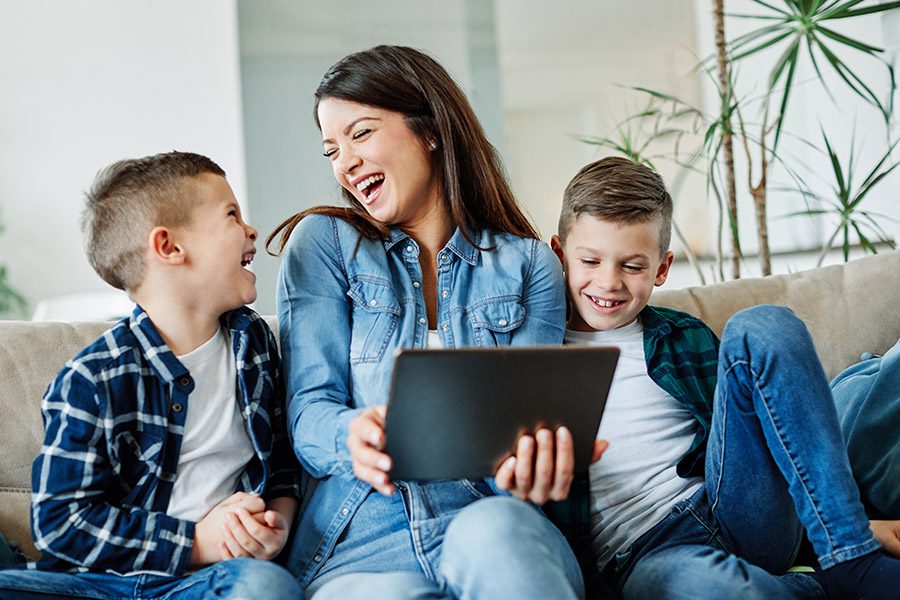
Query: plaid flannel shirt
114, 421
682, 356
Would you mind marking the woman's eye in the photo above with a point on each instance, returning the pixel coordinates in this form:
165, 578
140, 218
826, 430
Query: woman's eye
329, 153
361, 133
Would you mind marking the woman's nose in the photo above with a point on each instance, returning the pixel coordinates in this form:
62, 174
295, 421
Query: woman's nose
347, 161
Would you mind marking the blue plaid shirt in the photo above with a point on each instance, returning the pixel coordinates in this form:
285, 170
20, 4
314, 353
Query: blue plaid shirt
114, 421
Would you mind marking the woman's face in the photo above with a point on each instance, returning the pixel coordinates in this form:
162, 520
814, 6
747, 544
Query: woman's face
378, 159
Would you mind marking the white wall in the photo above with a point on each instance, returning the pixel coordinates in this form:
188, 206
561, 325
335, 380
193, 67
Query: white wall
88, 82
286, 47
847, 120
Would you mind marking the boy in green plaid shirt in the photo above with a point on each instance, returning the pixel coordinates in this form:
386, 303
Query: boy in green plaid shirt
720, 454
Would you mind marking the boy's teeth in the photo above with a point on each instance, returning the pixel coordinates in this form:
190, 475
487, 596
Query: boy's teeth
603, 303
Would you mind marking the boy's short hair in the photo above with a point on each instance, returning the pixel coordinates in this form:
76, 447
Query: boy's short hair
618, 190
127, 200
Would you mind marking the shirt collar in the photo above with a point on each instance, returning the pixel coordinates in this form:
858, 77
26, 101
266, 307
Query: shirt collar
153, 347
458, 243
158, 353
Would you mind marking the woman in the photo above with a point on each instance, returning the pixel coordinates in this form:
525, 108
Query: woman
433, 251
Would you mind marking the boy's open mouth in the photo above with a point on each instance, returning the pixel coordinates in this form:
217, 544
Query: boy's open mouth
247, 258
604, 303
370, 186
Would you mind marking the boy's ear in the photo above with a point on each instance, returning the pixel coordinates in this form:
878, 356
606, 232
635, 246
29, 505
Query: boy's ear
164, 247
556, 246
662, 272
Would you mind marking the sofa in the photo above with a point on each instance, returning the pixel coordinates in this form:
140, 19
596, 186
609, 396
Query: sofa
849, 309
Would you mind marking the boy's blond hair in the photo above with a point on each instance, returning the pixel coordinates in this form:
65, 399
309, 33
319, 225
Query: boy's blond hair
127, 200
618, 190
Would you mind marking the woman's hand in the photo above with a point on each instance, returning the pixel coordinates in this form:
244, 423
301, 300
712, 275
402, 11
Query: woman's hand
366, 442
888, 535
543, 466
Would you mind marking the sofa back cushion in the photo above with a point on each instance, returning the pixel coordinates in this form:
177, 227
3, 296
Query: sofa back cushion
849, 309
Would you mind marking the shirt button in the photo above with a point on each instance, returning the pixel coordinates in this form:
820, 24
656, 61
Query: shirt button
184, 381
501, 322
345, 511
445, 257
410, 249
445, 327
444, 294
177, 408
317, 558
416, 284
422, 320
373, 302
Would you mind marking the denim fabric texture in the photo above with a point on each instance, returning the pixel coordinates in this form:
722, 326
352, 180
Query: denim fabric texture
345, 305
236, 579
867, 397
775, 463
499, 547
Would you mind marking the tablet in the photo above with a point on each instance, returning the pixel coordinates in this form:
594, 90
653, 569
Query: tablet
457, 414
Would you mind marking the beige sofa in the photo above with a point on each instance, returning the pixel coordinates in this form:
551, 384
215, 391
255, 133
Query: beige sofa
849, 309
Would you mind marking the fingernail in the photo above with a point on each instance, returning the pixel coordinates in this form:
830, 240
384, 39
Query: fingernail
384, 464
511, 462
564, 431
374, 439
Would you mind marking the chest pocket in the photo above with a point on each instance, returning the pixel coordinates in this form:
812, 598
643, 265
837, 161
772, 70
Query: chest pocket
136, 458
494, 321
375, 314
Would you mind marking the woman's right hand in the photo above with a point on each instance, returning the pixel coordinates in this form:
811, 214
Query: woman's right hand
366, 442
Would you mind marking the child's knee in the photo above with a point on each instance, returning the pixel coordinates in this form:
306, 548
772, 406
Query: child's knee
251, 578
766, 326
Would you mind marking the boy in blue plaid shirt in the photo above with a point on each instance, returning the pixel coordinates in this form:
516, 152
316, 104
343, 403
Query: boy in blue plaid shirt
165, 469
720, 454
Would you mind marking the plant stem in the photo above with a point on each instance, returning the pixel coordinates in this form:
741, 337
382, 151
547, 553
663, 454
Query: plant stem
725, 96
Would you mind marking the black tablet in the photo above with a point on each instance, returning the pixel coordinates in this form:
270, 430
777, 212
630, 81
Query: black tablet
457, 414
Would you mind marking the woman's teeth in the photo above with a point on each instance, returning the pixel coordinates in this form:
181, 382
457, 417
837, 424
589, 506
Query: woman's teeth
363, 185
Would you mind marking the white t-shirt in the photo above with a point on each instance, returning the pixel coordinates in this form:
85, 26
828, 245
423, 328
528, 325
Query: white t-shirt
634, 485
215, 447
434, 339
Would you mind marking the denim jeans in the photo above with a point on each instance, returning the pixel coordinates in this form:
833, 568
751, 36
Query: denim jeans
496, 547
775, 464
236, 579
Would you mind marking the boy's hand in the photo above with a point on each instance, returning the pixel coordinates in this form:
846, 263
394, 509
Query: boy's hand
261, 535
208, 533
888, 534
365, 441
545, 472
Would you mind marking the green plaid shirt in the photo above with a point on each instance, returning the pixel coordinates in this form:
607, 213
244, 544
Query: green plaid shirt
682, 358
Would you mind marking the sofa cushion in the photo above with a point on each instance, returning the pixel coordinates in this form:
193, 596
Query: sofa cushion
849, 309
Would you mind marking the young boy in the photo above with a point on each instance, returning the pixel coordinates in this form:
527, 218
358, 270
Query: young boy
719, 455
165, 467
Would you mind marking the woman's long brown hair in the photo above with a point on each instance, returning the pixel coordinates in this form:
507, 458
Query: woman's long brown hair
409, 82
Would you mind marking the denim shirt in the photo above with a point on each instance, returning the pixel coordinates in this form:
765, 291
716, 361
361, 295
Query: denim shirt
346, 304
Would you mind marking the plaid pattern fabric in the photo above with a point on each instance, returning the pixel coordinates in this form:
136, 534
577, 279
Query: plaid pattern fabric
114, 421
682, 356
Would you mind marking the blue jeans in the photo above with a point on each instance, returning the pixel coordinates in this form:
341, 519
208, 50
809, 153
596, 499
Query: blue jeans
775, 464
496, 547
236, 579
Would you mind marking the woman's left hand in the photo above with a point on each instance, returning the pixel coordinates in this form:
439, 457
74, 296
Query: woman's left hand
888, 535
543, 466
